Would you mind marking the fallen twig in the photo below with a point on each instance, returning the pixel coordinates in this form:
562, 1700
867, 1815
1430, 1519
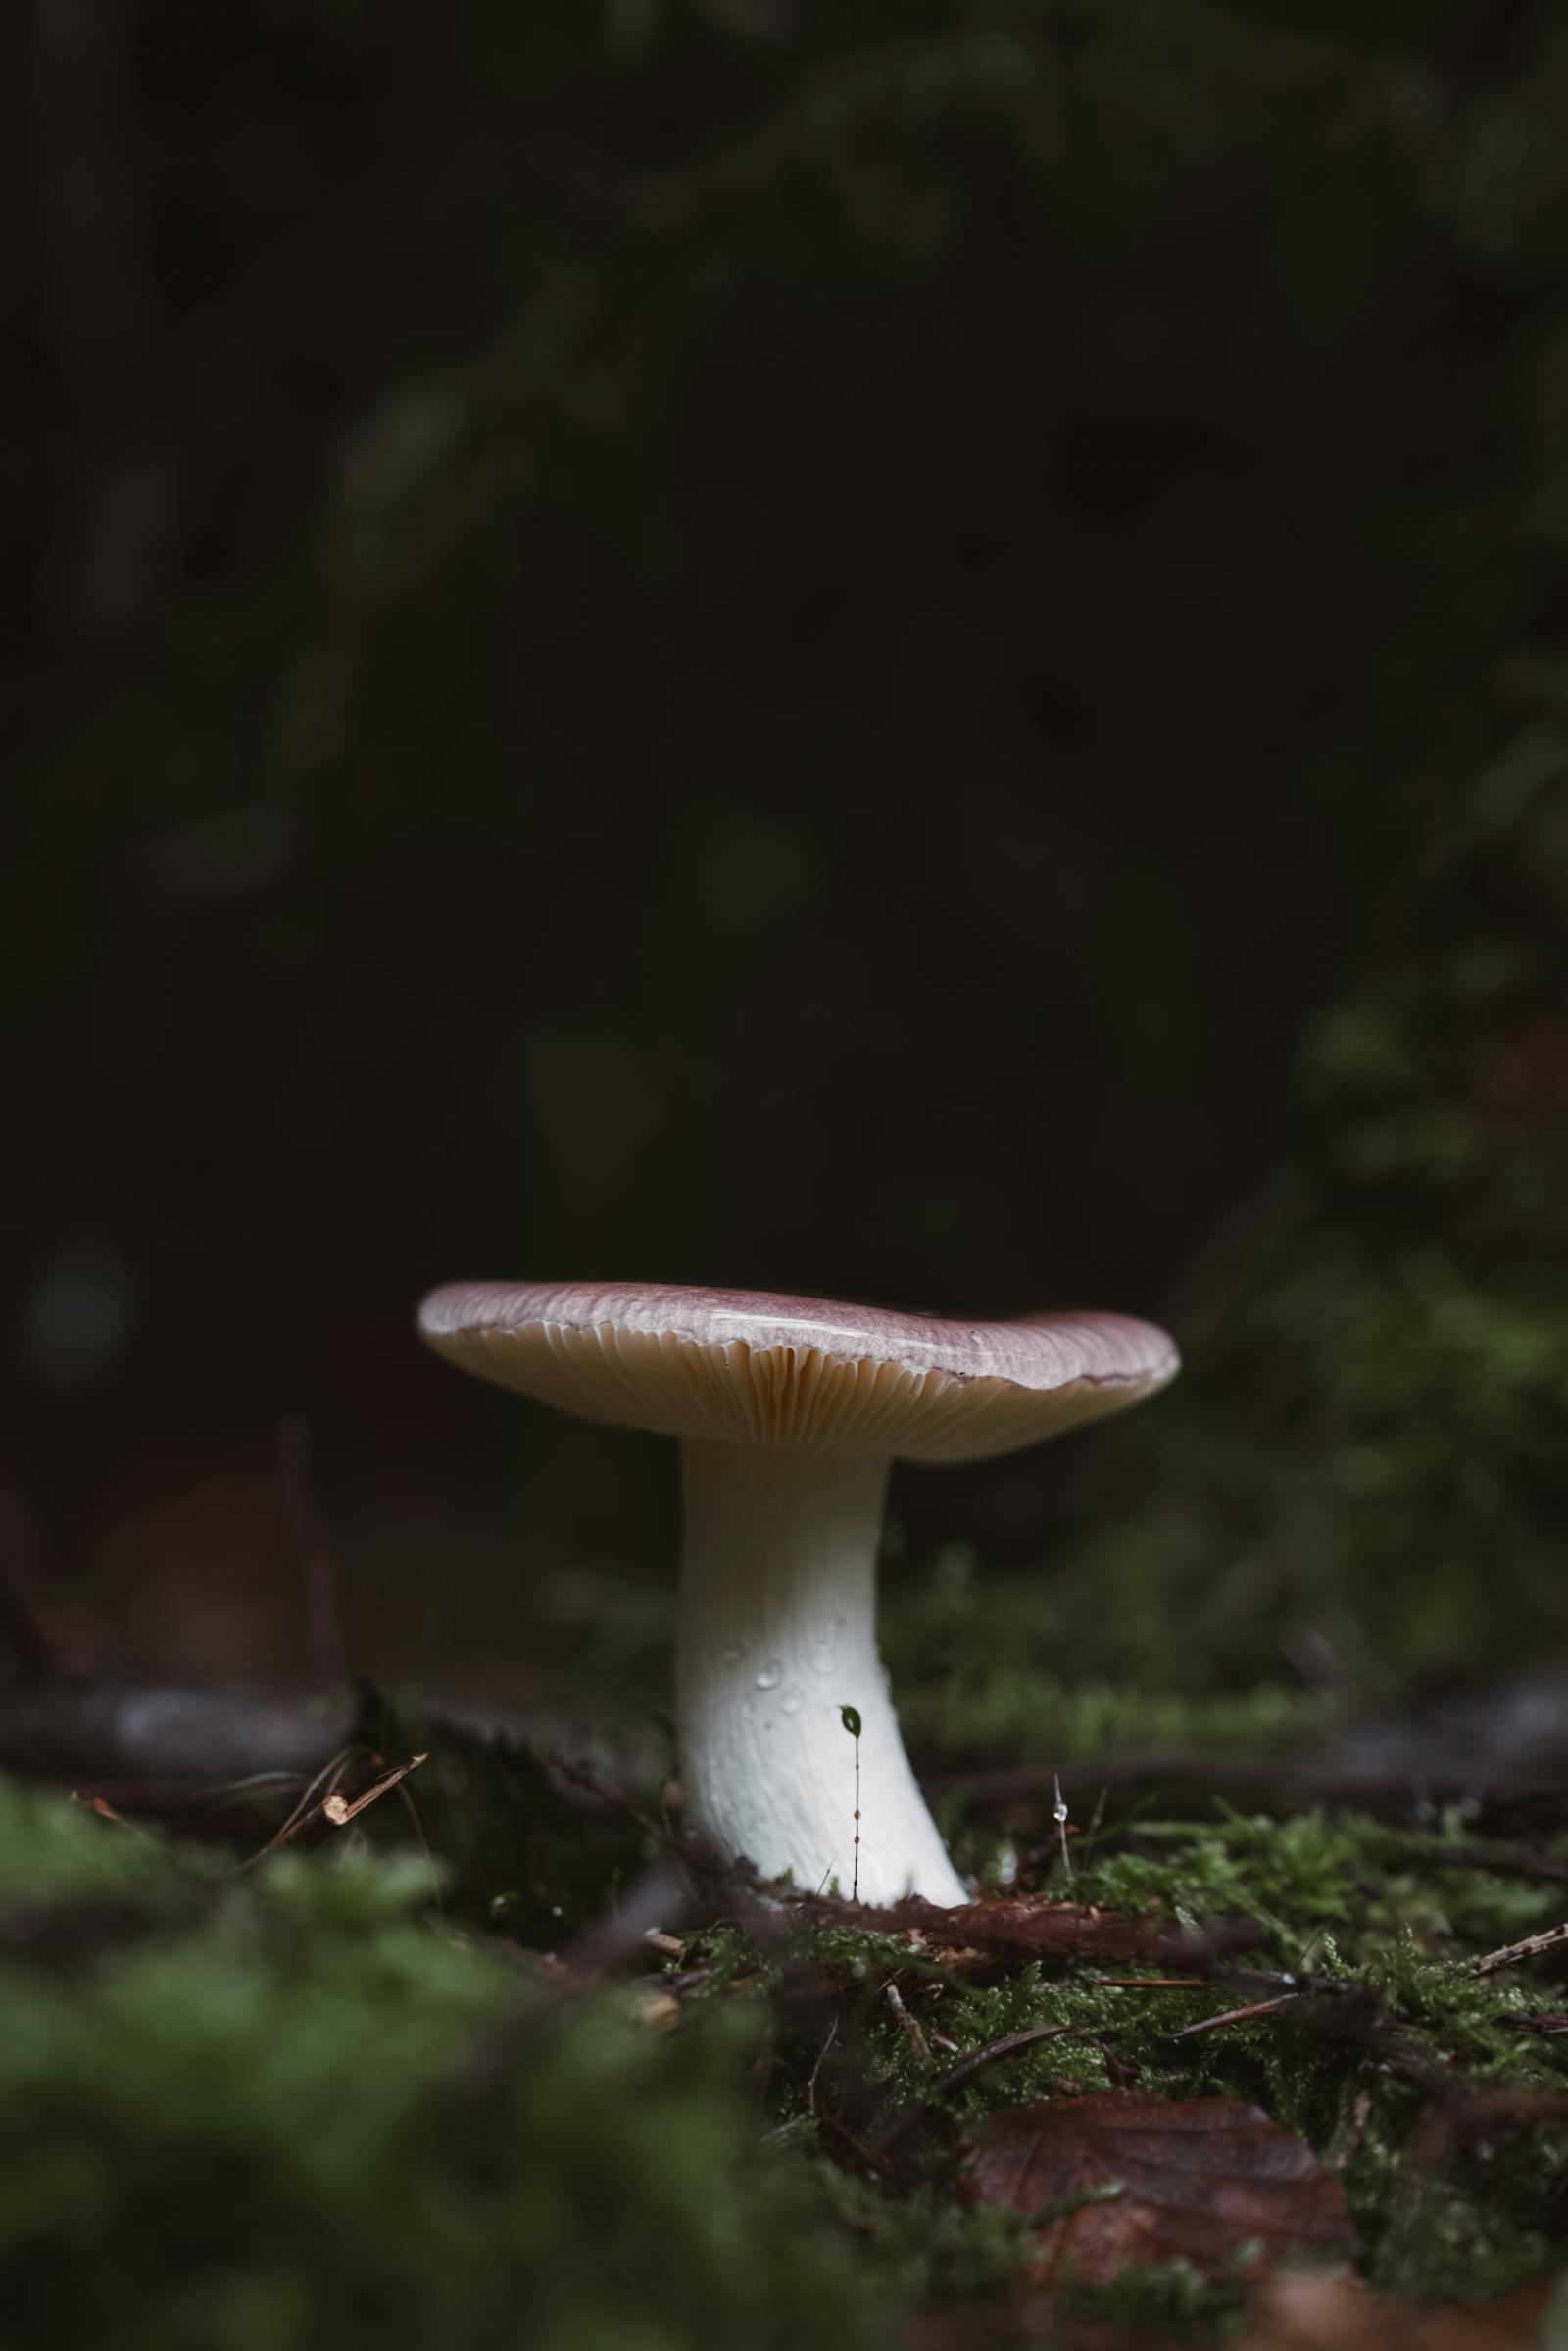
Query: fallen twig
910, 2024
1237, 2016
311, 1804
967, 2068
1551, 1939
821, 2057
335, 1809
332, 1806
1152, 1982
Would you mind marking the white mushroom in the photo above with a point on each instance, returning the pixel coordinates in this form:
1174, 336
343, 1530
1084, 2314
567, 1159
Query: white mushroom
790, 1411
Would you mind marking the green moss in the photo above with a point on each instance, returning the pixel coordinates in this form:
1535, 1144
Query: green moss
56, 1851
1363, 1906
989, 1664
1302, 1877
1453, 2222
258, 2121
238, 2109
258, 2128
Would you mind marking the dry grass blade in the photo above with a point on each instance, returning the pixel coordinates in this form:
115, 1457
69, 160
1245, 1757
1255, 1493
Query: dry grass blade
322, 1800
1235, 2016
312, 1801
340, 1812
102, 1807
1152, 1982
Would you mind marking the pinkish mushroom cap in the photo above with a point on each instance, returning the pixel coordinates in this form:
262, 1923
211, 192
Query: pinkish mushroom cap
798, 1372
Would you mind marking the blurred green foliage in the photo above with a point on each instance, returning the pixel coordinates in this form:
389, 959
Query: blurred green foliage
1371, 1443
802, 648
275, 2127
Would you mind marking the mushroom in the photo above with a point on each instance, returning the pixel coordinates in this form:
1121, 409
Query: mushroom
790, 1411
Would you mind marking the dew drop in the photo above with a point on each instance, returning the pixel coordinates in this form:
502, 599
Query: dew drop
734, 1653
771, 1674
793, 1700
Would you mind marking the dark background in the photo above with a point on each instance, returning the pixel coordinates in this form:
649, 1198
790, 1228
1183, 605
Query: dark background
912, 651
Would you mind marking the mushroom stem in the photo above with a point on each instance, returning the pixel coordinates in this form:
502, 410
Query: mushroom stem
777, 1635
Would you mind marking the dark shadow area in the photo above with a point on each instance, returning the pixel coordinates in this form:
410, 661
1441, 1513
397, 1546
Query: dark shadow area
914, 659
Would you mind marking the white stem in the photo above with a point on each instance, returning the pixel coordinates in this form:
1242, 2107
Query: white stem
777, 1634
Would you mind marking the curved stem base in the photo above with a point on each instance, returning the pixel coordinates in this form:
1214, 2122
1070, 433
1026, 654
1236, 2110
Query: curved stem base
777, 1635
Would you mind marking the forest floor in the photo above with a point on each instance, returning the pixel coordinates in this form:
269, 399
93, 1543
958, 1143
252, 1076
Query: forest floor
433, 2036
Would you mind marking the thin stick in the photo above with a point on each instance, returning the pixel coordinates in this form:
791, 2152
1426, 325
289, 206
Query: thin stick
1153, 1983
340, 1812
308, 1806
1530, 1949
1008, 2046
336, 1809
965, 2071
1059, 1813
910, 2024
1235, 2016
810, 2087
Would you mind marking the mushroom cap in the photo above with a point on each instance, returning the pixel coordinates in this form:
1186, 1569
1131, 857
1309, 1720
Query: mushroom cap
752, 1368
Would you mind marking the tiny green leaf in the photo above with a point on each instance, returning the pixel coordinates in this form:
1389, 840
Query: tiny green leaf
852, 1721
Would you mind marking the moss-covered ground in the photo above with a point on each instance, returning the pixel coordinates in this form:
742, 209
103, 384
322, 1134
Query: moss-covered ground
385, 2086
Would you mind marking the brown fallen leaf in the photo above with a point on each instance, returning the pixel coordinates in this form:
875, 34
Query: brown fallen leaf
1335, 2314
1148, 2180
